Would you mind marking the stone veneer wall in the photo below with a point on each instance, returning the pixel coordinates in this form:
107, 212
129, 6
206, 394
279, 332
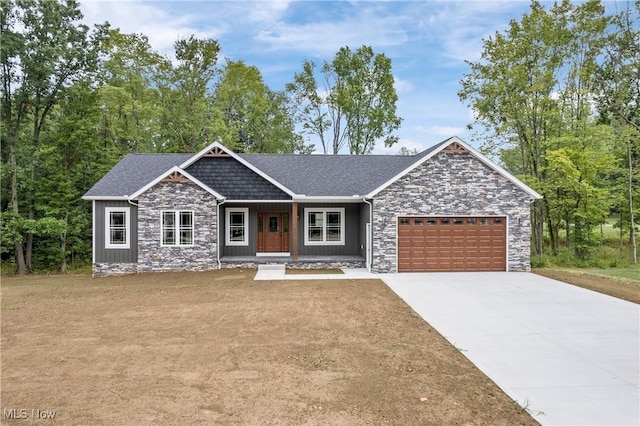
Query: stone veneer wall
177, 196
451, 184
107, 269
298, 264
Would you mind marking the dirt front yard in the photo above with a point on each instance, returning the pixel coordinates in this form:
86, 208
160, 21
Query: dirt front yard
220, 348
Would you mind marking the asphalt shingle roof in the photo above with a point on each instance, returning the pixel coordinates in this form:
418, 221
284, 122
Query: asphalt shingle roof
330, 175
233, 180
133, 172
310, 175
333, 175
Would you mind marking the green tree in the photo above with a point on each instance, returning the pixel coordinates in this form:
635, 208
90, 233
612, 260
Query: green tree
187, 117
531, 90
578, 198
356, 106
129, 95
71, 159
367, 97
48, 50
313, 111
618, 97
254, 118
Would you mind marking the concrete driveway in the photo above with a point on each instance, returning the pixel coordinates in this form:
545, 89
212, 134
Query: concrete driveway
570, 356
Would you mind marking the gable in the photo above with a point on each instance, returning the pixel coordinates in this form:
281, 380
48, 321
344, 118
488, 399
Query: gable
175, 175
233, 180
458, 182
455, 146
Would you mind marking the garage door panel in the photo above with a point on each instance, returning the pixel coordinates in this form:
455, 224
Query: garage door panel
452, 244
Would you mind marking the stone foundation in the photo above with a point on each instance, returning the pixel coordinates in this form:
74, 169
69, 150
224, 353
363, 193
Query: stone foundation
298, 265
107, 269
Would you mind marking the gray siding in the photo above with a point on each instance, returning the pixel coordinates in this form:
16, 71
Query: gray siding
352, 227
249, 250
105, 255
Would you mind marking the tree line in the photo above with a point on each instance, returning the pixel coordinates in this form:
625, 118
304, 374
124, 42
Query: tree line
556, 99
76, 99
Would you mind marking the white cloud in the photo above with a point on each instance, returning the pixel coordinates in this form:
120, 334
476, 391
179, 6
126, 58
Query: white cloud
324, 38
165, 22
158, 24
380, 149
460, 27
268, 11
402, 86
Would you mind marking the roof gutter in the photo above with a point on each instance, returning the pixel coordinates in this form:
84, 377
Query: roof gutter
327, 199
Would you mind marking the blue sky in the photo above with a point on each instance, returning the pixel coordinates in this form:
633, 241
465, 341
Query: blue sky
427, 41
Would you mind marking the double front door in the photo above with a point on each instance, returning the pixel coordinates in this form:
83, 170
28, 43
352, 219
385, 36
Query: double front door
273, 232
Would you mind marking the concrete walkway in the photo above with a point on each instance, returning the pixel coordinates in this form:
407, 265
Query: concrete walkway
277, 272
570, 356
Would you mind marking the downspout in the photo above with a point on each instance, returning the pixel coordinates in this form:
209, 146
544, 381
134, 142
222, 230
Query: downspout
138, 251
371, 233
224, 200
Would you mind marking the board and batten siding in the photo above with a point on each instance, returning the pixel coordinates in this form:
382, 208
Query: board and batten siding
352, 228
108, 255
249, 250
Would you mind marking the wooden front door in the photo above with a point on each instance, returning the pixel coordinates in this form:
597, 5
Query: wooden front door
273, 232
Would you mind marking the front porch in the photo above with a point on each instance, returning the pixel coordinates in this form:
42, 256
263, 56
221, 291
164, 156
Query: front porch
302, 262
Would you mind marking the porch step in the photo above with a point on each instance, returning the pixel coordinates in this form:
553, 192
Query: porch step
271, 267
270, 272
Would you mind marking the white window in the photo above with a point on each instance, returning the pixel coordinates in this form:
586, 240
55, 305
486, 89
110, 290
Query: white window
117, 228
237, 227
324, 227
177, 228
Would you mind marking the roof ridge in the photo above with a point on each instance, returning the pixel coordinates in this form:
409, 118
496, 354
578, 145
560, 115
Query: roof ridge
272, 154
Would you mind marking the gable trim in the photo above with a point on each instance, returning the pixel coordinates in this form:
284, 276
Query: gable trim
173, 172
477, 154
217, 149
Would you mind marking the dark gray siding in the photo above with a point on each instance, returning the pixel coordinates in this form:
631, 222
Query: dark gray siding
249, 250
355, 216
351, 245
233, 180
104, 255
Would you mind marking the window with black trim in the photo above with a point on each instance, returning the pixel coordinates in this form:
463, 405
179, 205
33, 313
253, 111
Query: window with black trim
177, 227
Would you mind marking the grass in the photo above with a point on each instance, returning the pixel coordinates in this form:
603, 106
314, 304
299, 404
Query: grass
629, 274
623, 283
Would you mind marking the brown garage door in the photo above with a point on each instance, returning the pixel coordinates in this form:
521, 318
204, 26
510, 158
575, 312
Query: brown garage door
452, 243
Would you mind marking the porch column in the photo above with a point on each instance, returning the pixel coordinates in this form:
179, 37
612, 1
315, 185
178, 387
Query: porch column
294, 230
